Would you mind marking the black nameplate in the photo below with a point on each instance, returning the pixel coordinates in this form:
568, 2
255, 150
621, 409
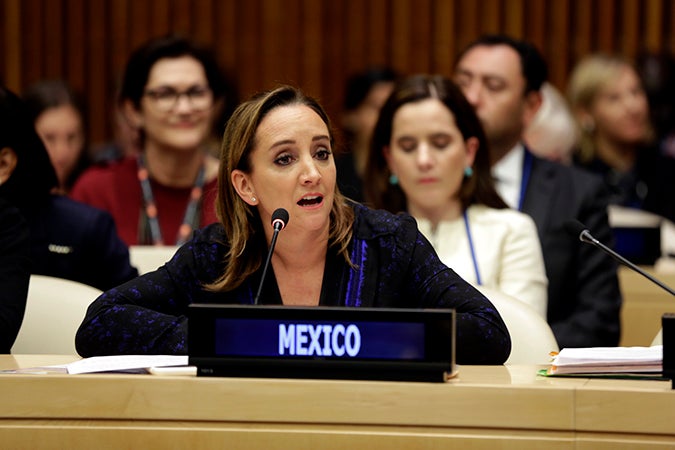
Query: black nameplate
322, 342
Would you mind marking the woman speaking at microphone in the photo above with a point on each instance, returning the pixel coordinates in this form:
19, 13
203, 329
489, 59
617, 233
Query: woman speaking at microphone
277, 152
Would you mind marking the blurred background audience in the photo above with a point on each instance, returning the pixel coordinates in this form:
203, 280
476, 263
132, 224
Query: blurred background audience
429, 157
365, 93
59, 118
657, 71
124, 142
617, 139
552, 134
67, 239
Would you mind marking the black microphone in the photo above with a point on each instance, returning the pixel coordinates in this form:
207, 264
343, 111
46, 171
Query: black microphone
577, 228
279, 221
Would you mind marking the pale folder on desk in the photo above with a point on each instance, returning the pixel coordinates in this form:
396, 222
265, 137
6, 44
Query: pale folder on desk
118, 363
608, 360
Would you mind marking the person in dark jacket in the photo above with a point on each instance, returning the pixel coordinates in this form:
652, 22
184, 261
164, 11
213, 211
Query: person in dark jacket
68, 239
502, 79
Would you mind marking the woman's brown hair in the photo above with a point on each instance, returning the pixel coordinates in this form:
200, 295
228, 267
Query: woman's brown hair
478, 188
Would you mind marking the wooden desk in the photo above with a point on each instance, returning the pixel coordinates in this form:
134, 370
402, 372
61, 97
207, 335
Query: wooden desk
484, 407
643, 305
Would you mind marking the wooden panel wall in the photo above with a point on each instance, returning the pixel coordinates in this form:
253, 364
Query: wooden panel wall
315, 44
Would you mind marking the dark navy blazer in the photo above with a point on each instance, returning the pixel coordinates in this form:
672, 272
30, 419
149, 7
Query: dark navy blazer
78, 242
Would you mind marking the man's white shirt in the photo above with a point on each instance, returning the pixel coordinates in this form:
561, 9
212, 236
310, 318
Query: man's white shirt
508, 174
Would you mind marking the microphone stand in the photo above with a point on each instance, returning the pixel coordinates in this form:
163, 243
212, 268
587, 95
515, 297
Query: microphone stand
279, 221
667, 320
586, 236
267, 263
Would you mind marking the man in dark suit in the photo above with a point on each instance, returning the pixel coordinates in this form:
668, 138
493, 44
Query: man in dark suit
502, 77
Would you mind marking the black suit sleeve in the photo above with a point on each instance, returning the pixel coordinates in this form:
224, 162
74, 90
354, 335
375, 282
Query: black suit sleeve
148, 314
592, 317
14, 273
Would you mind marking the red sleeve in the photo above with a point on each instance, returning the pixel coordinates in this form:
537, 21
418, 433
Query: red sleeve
113, 188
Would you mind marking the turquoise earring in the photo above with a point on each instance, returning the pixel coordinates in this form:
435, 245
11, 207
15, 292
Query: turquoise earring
468, 172
393, 179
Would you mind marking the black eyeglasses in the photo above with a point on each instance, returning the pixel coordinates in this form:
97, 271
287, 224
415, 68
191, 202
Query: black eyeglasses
166, 98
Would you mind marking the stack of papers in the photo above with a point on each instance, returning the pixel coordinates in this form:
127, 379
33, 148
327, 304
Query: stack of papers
608, 360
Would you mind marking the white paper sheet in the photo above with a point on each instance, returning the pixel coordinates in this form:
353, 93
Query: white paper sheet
124, 362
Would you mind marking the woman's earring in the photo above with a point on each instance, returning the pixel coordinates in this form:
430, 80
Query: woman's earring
468, 172
393, 179
253, 199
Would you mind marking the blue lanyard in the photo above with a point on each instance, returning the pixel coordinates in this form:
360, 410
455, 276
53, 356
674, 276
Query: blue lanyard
473, 253
527, 170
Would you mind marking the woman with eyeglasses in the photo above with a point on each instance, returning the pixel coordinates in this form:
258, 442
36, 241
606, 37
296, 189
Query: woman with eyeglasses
171, 92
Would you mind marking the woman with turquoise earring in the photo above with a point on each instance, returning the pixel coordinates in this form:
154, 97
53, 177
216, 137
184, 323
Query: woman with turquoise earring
429, 157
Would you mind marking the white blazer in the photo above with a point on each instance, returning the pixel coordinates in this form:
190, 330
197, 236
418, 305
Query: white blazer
507, 250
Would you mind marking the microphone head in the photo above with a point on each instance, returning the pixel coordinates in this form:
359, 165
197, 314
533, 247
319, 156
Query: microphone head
279, 218
578, 229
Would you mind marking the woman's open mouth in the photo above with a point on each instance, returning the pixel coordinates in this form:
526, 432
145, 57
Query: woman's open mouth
310, 200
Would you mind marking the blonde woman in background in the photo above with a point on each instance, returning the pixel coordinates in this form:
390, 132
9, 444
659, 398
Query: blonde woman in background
616, 141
